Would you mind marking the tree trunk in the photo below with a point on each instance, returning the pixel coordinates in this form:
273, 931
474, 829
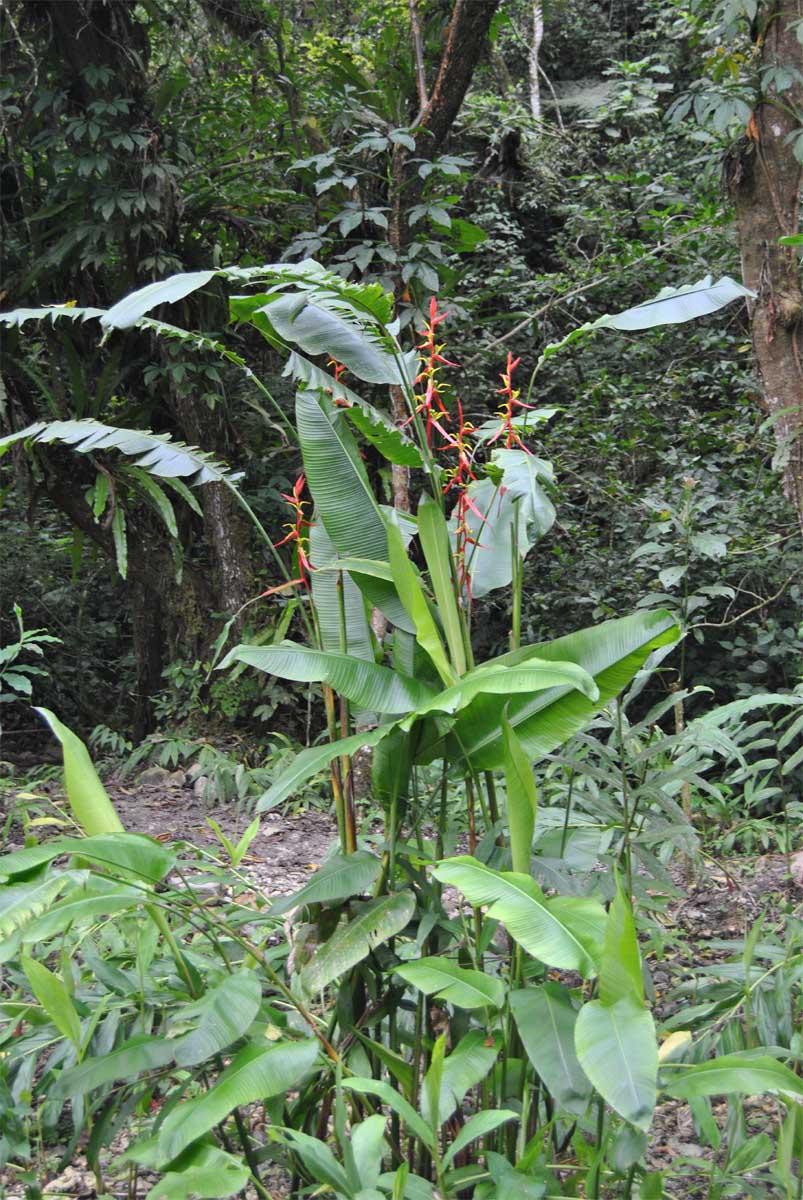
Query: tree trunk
534, 63
765, 180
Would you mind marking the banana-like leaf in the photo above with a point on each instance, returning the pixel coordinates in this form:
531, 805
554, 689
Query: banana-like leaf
518, 499
156, 453
456, 985
71, 312
140, 1053
375, 922
564, 931
733, 1074
617, 1049
226, 1013
314, 760
131, 308
341, 876
343, 496
498, 679
330, 588
89, 802
202, 1173
522, 800
620, 965
375, 426
364, 1151
611, 653
256, 1073
434, 536
545, 1018
395, 1101
83, 906
317, 1158
672, 306
414, 601
467, 1065
376, 688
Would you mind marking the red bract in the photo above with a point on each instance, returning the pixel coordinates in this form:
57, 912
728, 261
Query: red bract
431, 403
460, 476
296, 528
511, 402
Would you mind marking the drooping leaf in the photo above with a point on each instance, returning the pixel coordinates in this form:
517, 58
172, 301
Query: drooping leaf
88, 799
617, 1049
314, 760
127, 312
466, 1066
456, 985
374, 687
226, 1013
545, 1018
375, 923
563, 932
202, 1173
138, 1054
55, 312
477, 1126
395, 1101
675, 306
155, 453
611, 653
734, 1074
341, 876
256, 1073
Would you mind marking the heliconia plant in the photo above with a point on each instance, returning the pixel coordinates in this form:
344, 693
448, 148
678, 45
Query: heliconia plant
400, 1017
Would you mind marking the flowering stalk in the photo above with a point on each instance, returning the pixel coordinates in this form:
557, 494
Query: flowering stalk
505, 412
296, 529
431, 402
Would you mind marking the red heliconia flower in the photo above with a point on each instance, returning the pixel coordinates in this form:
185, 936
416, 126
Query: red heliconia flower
340, 371
296, 529
511, 402
431, 356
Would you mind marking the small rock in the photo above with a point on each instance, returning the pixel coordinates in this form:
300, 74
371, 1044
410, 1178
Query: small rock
200, 787
154, 777
177, 779
796, 868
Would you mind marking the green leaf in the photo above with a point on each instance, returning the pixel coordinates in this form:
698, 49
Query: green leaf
322, 328
138, 1054
254, 1074
51, 993
434, 537
367, 1147
341, 876
467, 1065
89, 802
343, 496
675, 306
375, 923
19, 316
202, 1173
127, 312
522, 800
617, 1049
226, 1013
456, 985
312, 761
545, 1018
157, 453
374, 687
477, 1126
564, 932
120, 541
333, 586
21, 903
611, 653
415, 603
157, 497
733, 1074
620, 974
79, 908
395, 1101
375, 426
316, 1156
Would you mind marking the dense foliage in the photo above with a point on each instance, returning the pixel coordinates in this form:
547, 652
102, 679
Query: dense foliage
387, 429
